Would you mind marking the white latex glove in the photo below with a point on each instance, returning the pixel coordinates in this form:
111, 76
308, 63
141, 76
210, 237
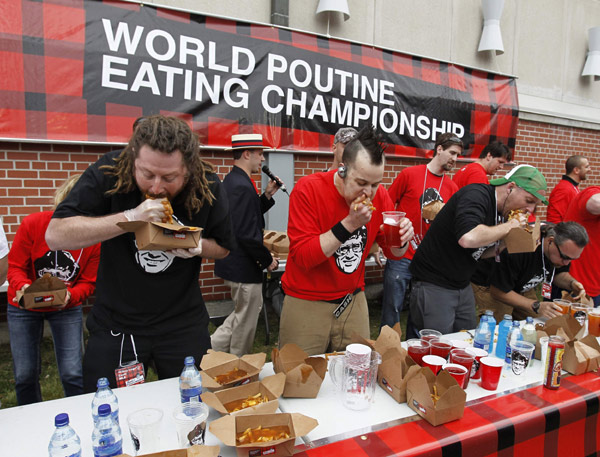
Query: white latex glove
187, 253
149, 210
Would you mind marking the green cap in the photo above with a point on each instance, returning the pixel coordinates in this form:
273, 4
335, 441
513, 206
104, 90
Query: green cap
527, 178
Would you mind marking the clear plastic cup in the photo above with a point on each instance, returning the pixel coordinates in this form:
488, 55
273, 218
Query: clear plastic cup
190, 420
144, 427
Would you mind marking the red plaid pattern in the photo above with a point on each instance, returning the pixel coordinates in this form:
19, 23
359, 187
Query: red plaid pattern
43, 60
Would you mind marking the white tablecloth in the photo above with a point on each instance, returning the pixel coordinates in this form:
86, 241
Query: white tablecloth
26, 430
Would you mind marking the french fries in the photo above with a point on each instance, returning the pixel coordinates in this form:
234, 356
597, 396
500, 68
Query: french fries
518, 214
168, 219
244, 403
230, 376
263, 435
365, 201
434, 396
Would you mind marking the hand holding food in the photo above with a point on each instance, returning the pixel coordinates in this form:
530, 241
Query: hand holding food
521, 217
151, 210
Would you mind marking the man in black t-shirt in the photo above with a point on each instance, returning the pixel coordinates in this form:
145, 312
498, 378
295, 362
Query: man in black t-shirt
469, 227
514, 280
148, 303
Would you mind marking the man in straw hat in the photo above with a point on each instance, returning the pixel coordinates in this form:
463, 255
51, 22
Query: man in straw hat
469, 227
242, 269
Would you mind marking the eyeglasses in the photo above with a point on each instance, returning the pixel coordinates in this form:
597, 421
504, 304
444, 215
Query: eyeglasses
562, 256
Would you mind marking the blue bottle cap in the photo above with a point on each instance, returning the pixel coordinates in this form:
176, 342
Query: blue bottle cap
189, 360
529, 320
102, 382
61, 419
104, 410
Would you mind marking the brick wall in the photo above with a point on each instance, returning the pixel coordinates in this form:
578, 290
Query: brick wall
29, 173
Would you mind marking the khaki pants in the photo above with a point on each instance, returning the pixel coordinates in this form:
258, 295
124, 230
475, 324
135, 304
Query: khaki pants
236, 334
312, 325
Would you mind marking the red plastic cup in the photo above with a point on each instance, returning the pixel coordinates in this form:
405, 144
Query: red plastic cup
491, 368
462, 357
391, 228
476, 369
417, 349
434, 363
457, 371
428, 334
440, 347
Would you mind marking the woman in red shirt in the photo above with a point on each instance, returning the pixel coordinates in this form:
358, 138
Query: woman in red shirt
29, 259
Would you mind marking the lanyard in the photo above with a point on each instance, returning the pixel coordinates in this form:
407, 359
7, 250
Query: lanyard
544, 266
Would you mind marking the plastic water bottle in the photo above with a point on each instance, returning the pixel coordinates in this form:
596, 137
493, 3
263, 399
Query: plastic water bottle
190, 382
529, 334
513, 335
107, 440
503, 329
483, 335
104, 395
492, 323
64, 442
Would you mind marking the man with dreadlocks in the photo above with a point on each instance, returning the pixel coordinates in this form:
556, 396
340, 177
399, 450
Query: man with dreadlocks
335, 217
148, 306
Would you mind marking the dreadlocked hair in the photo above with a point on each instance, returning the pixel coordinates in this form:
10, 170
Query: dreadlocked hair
167, 135
367, 140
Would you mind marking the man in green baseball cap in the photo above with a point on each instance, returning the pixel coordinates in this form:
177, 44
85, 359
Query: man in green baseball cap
527, 178
470, 227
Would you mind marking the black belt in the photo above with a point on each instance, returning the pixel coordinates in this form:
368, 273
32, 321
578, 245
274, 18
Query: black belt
338, 301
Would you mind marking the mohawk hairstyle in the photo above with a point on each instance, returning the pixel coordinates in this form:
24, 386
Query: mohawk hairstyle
367, 140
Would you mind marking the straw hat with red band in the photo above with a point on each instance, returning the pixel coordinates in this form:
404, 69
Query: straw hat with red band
247, 141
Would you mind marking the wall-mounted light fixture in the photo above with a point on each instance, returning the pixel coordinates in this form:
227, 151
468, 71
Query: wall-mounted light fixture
491, 37
592, 63
335, 6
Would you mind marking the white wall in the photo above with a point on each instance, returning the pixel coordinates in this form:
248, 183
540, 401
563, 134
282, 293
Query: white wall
545, 41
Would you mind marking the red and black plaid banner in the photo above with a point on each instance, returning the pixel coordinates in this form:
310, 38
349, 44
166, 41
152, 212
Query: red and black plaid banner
83, 71
533, 422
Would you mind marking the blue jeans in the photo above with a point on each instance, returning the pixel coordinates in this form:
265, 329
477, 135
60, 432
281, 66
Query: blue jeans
395, 282
25, 330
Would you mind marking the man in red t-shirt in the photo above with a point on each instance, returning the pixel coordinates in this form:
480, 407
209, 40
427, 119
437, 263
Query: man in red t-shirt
585, 209
413, 189
577, 167
492, 158
334, 219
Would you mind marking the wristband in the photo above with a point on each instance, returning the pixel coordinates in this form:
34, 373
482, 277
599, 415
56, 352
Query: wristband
340, 232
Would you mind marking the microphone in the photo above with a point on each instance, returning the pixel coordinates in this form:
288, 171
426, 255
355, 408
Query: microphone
270, 174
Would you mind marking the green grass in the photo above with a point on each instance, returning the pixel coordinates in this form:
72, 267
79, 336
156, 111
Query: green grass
50, 381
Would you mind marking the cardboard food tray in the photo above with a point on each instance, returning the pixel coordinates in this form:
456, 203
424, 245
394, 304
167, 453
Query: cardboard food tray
43, 292
303, 374
271, 387
396, 367
431, 210
193, 451
582, 354
450, 405
160, 236
587, 300
227, 427
521, 240
215, 363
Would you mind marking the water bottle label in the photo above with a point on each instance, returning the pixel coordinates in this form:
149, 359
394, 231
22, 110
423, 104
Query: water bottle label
110, 450
189, 395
